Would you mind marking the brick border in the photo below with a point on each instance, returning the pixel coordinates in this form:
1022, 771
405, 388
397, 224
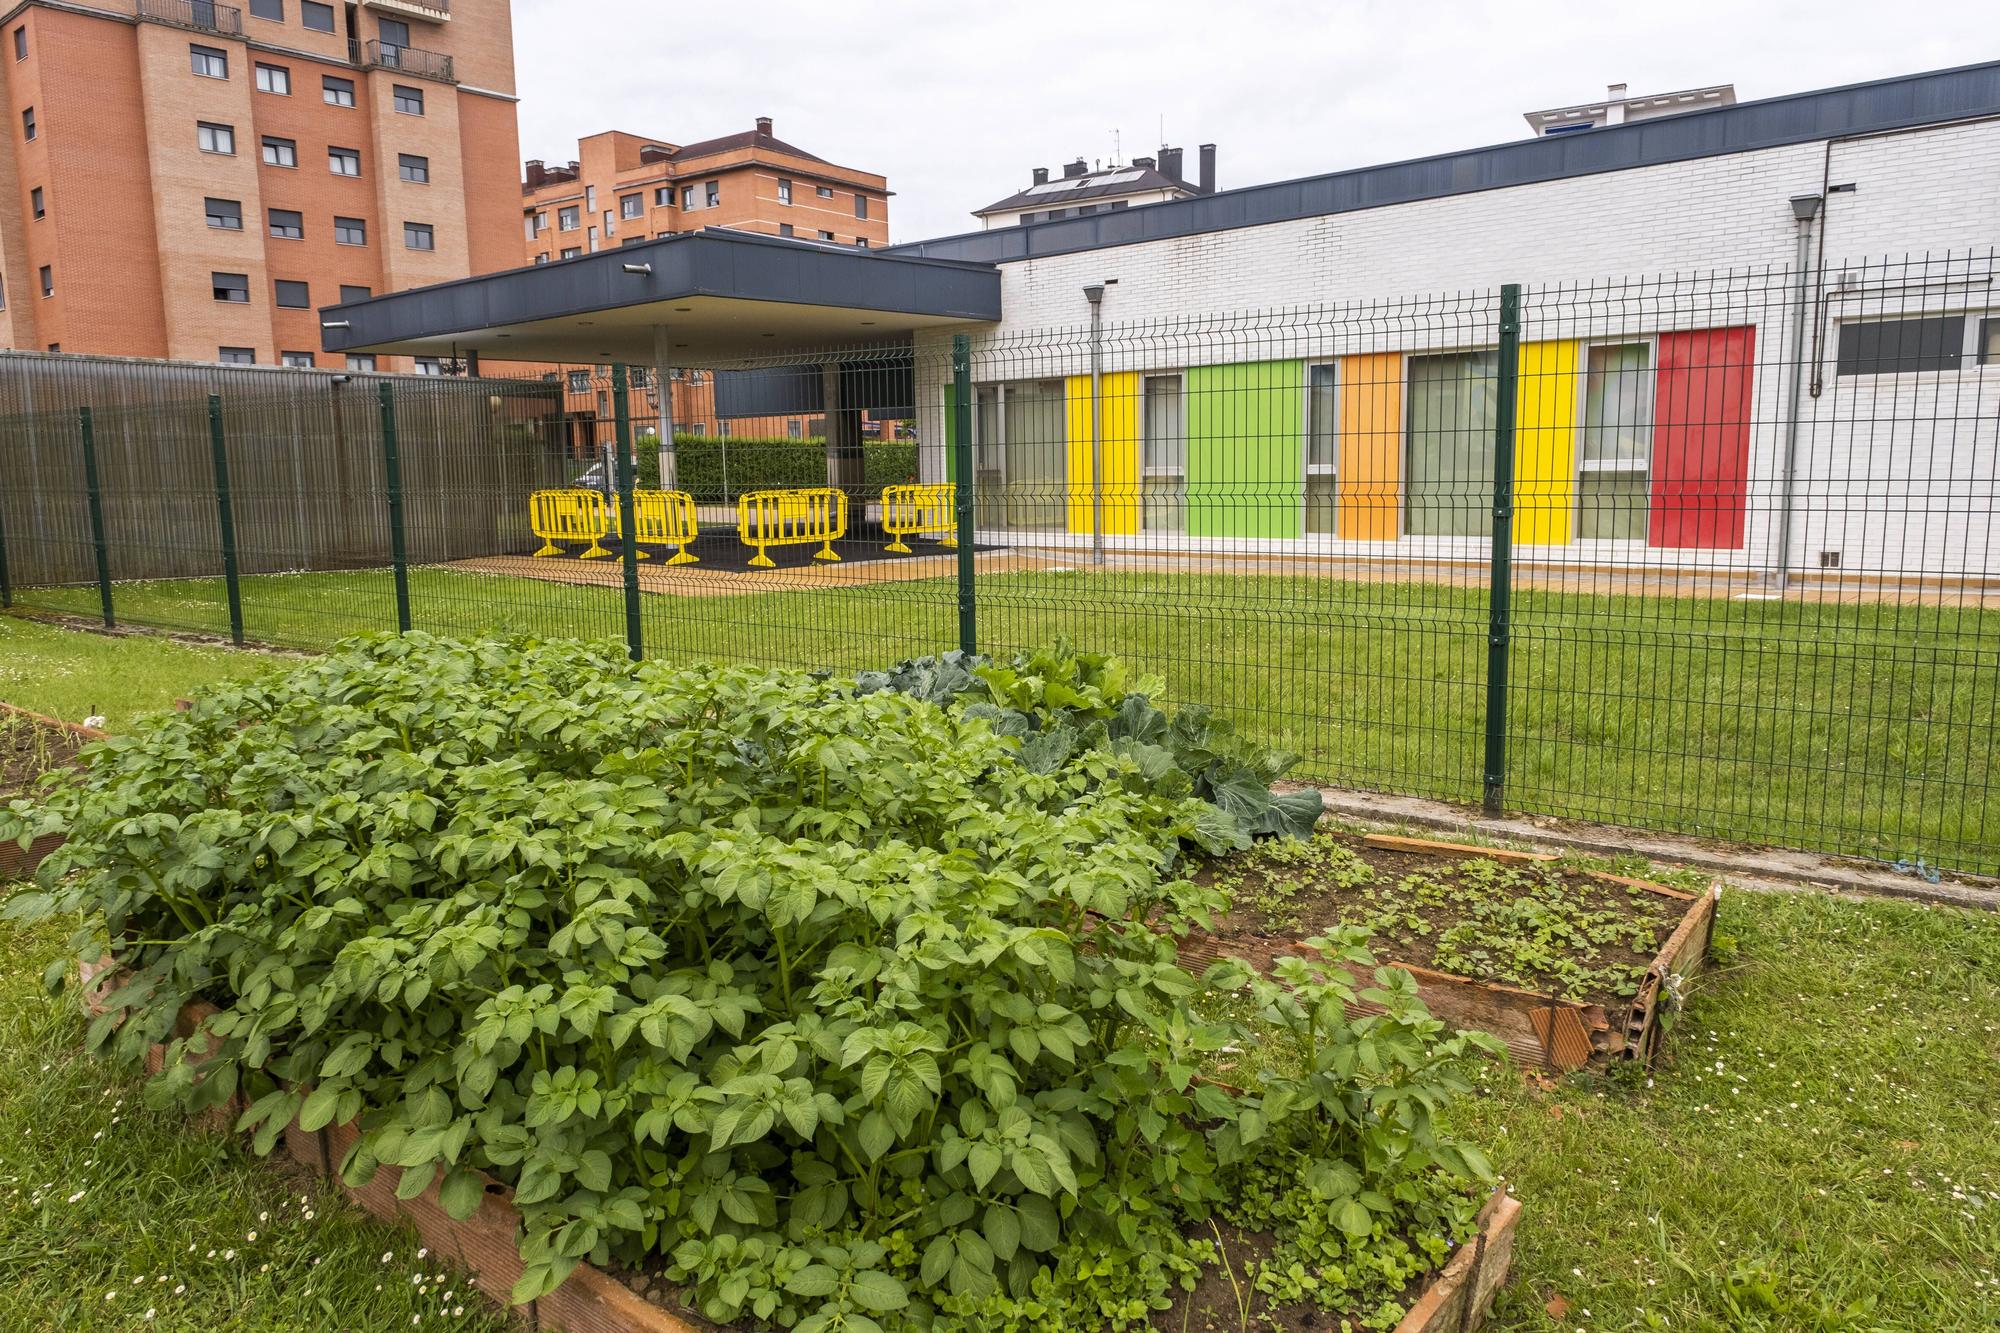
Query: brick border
17, 862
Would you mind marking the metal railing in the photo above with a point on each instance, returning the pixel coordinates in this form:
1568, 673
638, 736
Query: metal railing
413, 60
197, 14
1716, 554
436, 11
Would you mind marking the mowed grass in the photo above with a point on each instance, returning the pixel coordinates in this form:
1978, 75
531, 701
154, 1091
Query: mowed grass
1865, 729
70, 675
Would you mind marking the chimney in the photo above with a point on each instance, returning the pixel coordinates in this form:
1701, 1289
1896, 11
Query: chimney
763, 124
1614, 111
1077, 168
537, 172
1041, 175
1207, 185
1144, 163
1170, 162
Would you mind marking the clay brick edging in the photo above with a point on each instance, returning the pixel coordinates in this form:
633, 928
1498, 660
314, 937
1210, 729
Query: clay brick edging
17, 862
591, 1301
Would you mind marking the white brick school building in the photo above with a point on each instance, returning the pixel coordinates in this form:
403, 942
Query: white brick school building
1760, 339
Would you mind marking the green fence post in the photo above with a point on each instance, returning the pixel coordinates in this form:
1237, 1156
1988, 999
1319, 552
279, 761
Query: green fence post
96, 498
628, 523
961, 462
1499, 604
392, 476
226, 518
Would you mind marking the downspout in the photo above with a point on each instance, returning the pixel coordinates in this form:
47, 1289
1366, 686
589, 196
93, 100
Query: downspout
1805, 208
1094, 294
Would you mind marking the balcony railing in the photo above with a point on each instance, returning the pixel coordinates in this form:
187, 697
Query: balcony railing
431, 11
413, 60
200, 15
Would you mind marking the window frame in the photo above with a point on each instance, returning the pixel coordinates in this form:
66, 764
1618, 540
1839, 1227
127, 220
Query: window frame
1308, 469
307, 12
282, 147
1986, 340
38, 204
403, 97
271, 224
784, 192
414, 231
337, 154
247, 357
404, 168
231, 213
216, 132
1644, 468
711, 194
632, 205
861, 205
204, 60
352, 292
47, 276
333, 93
31, 126
823, 191
286, 360
569, 217
663, 196
359, 225
278, 288
278, 5
363, 363
1871, 361
20, 41
1148, 471
239, 283
265, 84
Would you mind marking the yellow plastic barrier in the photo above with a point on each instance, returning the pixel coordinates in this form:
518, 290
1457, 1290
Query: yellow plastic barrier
920, 511
663, 518
791, 518
570, 516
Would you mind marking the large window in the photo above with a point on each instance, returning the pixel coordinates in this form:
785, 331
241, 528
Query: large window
233, 288
287, 224
348, 294
209, 62
409, 101
344, 161
224, 214
236, 356
1020, 455
268, 9
412, 168
215, 138
1616, 449
567, 219
350, 231
419, 236
1989, 341
1449, 477
293, 295
1163, 456
315, 16
297, 360
1322, 447
861, 205
274, 79
28, 128
280, 152
631, 205
1899, 346
337, 91
712, 192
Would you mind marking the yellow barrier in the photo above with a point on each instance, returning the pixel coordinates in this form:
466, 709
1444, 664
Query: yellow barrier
663, 518
920, 511
791, 518
570, 516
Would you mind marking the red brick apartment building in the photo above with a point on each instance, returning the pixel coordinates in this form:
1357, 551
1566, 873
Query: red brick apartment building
186, 179
623, 188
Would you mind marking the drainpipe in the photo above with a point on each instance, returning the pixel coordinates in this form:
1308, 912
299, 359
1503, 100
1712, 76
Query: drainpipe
1094, 294
1805, 208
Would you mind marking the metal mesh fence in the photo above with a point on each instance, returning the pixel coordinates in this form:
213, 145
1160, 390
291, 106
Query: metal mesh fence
1711, 553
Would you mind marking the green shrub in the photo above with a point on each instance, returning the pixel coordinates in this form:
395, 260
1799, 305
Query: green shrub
822, 994
769, 464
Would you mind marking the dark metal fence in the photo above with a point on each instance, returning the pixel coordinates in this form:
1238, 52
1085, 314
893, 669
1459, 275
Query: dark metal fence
1708, 553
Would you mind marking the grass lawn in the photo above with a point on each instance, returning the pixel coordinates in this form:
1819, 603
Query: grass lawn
71, 675
1860, 729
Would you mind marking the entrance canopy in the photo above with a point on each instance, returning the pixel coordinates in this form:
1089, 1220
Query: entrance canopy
694, 299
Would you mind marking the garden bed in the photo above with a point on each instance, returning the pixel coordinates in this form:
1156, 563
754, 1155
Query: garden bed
30, 746
1565, 965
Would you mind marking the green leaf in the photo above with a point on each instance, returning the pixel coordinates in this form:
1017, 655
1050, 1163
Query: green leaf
461, 1194
813, 1281
1032, 1169
1002, 1230
877, 1291
1355, 1219
983, 1161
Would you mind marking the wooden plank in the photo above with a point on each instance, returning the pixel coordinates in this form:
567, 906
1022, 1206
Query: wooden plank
1403, 844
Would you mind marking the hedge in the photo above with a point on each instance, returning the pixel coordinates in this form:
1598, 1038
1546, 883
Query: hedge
770, 464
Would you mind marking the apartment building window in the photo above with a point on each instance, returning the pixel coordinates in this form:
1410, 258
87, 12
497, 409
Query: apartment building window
826, 236
409, 101
540, 224
1163, 457
1901, 346
48, 281
1448, 441
1617, 442
861, 205
784, 191
350, 231
209, 62
28, 122
224, 214
316, 17
280, 152
567, 219
38, 203
296, 360
237, 356
215, 138
3, 293
349, 294
697, 428
293, 295
794, 428
663, 197
419, 236
231, 287
287, 224
337, 92
268, 9
344, 161
21, 43
1322, 446
687, 198
784, 229
429, 365
590, 238
712, 190
824, 191
579, 381
610, 224
364, 361
632, 205
571, 251
416, 170
590, 197
542, 258
861, 242
274, 79
1989, 342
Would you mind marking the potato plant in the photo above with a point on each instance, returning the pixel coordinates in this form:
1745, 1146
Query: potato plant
821, 998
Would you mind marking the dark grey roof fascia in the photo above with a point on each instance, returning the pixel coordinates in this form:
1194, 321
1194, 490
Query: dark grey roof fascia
714, 262
1964, 93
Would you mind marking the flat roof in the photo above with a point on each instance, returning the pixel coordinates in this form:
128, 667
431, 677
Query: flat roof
1862, 108
720, 294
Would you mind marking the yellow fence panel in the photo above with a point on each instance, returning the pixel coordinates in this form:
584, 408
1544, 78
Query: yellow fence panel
664, 518
568, 516
920, 511
791, 518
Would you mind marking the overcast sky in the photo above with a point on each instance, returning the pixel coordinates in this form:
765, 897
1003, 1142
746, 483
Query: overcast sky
955, 103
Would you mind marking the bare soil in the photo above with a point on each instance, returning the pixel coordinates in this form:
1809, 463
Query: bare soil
31, 746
